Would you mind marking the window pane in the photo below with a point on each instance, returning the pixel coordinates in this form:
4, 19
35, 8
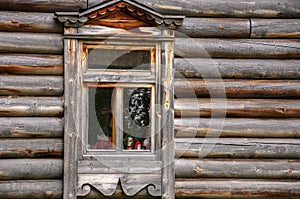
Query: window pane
119, 59
101, 133
136, 119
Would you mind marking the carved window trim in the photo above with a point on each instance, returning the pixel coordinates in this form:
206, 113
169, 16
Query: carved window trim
82, 174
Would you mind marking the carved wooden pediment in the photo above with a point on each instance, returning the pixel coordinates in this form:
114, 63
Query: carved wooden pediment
125, 14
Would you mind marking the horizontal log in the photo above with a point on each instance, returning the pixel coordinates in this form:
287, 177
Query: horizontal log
237, 189
233, 88
237, 127
31, 106
237, 148
31, 169
237, 108
275, 28
43, 5
237, 48
19, 127
236, 168
31, 85
214, 27
41, 43
238, 68
31, 148
29, 22
31, 64
220, 8
34, 189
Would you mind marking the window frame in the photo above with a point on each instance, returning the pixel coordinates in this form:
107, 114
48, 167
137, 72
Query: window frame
121, 78
118, 152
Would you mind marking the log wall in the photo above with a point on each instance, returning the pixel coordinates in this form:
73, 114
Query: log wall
236, 106
31, 101
237, 88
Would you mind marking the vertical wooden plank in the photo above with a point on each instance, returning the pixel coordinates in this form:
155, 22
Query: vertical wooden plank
167, 82
70, 137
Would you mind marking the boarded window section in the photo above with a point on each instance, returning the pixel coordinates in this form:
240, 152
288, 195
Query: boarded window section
119, 118
119, 59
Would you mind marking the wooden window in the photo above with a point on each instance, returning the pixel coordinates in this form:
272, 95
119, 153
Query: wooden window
118, 61
119, 100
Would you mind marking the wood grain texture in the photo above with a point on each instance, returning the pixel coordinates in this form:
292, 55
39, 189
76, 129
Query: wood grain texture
236, 168
31, 148
214, 27
219, 8
21, 127
237, 189
237, 127
166, 99
237, 68
31, 106
31, 169
237, 48
232, 88
71, 125
275, 28
143, 194
35, 189
237, 148
12, 21
38, 43
31, 85
43, 5
254, 108
31, 64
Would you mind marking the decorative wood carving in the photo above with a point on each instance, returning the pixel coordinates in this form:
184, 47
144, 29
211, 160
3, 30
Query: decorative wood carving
107, 184
120, 14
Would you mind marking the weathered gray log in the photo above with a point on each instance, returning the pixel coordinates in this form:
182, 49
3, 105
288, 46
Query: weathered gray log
237, 189
31, 64
18, 127
31, 106
237, 108
236, 168
275, 28
31, 43
34, 189
237, 148
238, 68
43, 5
29, 148
237, 127
237, 48
185, 88
31, 169
220, 8
31, 85
214, 27
29, 22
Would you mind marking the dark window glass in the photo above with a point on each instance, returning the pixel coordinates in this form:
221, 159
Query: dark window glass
100, 119
119, 59
119, 124
136, 119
